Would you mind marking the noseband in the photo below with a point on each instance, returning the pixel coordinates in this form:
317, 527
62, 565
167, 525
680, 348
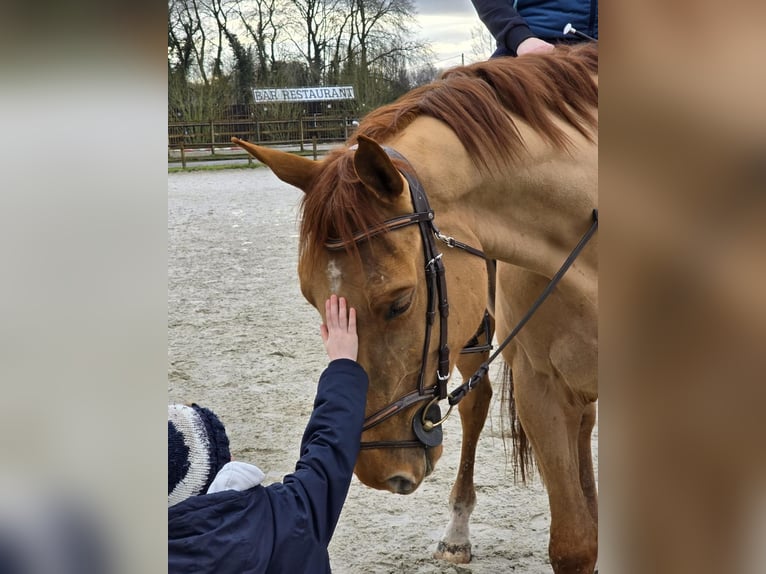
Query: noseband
426, 423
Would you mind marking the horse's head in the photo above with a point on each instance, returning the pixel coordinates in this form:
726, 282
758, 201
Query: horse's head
347, 197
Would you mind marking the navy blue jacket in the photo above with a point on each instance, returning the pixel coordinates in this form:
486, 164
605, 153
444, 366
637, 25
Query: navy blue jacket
512, 21
283, 527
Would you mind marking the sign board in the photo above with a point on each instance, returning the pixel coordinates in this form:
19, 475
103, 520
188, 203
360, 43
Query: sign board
304, 94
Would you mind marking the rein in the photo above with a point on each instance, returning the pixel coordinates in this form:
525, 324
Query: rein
428, 420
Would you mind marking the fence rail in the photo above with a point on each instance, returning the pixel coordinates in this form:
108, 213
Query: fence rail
217, 134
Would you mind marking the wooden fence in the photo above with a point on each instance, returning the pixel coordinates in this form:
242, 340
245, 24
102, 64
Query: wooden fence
217, 134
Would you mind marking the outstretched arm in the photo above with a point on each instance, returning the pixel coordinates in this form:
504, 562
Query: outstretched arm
331, 440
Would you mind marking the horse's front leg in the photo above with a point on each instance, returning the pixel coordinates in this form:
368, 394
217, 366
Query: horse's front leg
455, 545
556, 425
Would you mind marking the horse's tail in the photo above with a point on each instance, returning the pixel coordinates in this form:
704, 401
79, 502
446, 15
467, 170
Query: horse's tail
523, 459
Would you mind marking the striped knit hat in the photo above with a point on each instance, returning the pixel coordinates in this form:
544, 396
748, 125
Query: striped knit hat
197, 449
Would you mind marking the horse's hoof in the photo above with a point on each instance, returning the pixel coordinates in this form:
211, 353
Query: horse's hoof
455, 553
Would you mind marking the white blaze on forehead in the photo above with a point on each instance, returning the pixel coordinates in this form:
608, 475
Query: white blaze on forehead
334, 276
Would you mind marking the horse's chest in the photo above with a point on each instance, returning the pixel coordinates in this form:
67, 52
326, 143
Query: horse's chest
565, 343
575, 358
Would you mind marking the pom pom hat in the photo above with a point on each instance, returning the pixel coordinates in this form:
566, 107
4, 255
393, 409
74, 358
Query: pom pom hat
197, 449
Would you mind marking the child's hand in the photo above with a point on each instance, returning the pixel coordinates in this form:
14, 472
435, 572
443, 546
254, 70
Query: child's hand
339, 330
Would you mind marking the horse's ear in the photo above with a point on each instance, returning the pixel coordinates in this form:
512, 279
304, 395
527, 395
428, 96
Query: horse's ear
374, 168
290, 168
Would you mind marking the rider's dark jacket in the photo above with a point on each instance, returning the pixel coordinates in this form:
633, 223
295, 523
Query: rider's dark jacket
283, 527
512, 21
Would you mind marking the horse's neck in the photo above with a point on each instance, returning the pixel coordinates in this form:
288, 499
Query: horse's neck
534, 217
531, 215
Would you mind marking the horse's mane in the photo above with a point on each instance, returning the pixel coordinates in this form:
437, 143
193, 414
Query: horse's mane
474, 102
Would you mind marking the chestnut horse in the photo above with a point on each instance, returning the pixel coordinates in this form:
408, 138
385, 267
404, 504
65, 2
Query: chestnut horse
502, 157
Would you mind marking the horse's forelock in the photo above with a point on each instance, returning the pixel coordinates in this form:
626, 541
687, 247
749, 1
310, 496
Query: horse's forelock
335, 208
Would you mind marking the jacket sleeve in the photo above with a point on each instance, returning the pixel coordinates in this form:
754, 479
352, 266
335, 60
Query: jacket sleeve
329, 448
503, 22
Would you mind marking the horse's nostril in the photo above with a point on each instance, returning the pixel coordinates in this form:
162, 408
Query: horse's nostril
401, 485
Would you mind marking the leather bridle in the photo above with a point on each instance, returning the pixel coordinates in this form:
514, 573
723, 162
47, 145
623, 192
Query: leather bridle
427, 421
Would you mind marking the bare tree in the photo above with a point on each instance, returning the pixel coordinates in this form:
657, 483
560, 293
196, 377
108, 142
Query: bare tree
376, 23
180, 43
219, 11
381, 48
482, 42
263, 20
423, 75
319, 22
193, 13
187, 39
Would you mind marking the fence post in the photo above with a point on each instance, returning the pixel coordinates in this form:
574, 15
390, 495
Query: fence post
212, 138
314, 146
183, 155
300, 131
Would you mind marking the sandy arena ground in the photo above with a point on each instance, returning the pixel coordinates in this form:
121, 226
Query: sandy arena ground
243, 342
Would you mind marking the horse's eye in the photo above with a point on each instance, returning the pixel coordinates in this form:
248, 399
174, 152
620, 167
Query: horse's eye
398, 307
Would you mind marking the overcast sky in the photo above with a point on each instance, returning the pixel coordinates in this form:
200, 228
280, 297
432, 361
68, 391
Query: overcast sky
447, 25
